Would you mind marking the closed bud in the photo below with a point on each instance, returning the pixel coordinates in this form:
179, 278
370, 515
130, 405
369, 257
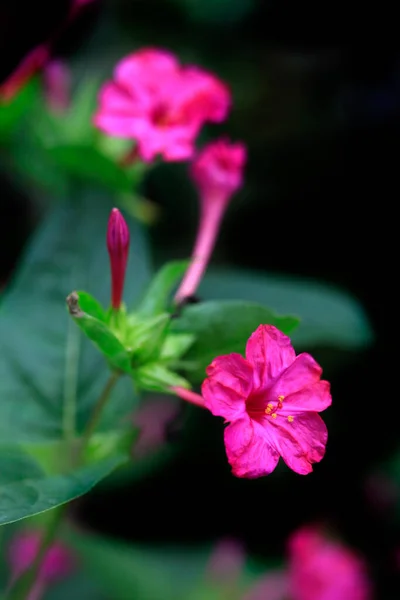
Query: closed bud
118, 249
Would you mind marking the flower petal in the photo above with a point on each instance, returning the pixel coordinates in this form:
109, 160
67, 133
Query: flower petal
315, 398
300, 442
270, 352
249, 450
304, 371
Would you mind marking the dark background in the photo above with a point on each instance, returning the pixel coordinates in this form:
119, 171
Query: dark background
316, 99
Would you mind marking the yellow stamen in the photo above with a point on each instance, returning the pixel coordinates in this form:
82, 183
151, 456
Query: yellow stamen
281, 398
269, 409
290, 419
274, 415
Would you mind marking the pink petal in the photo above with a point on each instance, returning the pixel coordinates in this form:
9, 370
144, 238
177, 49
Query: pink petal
115, 100
114, 125
250, 452
315, 398
148, 62
300, 442
228, 384
270, 352
304, 371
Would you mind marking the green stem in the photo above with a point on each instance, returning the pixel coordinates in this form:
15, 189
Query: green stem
97, 411
22, 587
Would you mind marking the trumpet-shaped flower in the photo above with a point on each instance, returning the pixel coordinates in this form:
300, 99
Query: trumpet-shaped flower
271, 400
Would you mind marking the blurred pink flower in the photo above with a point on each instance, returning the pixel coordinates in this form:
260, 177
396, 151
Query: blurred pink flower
271, 399
57, 85
218, 174
58, 562
153, 418
226, 561
160, 104
218, 170
118, 249
323, 569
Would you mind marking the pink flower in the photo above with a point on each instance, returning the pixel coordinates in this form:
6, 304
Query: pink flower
153, 418
218, 170
57, 85
58, 562
271, 399
218, 174
118, 249
160, 104
324, 569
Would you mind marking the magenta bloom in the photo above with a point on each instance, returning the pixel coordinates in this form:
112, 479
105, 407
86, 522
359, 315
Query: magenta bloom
118, 249
324, 569
218, 170
271, 399
57, 564
218, 173
160, 104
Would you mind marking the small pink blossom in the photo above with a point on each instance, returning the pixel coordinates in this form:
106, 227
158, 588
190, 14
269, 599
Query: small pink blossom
160, 104
218, 173
218, 170
324, 569
57, 85
152, 419
58, 562
271, 399
118, 249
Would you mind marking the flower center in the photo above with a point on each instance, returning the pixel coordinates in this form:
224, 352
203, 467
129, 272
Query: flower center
257, 409
160, 115
271, 409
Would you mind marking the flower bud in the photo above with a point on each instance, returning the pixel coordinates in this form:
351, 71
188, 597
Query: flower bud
118, 249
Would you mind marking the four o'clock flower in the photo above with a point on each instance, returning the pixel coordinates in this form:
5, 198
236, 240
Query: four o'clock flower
271, 399
218, 173
58, 562
320, 568
160, 104
118, 249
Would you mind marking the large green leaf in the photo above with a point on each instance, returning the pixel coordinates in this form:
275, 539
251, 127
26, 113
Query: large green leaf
221, 328
88, 163
157, 296
329, 316
27, 490
50, 375
133, 573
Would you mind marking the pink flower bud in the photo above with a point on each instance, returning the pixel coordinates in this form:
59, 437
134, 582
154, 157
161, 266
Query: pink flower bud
58, 562
27, 68
118, 248
57, 85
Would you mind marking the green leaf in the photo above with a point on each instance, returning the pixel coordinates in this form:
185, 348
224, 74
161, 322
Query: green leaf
329, 316
92, 307
12, 111
147, 337
176, 345
135, 572
157, 296
87, 163
154, 377
26, 490
100, 334
221, 328
50, 375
